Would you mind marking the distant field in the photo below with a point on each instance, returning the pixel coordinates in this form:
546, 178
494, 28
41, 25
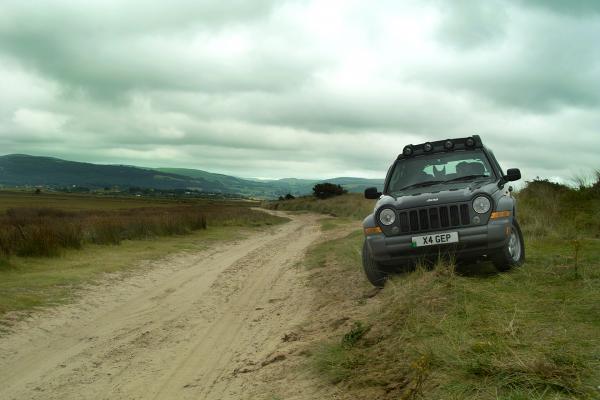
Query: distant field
77, 202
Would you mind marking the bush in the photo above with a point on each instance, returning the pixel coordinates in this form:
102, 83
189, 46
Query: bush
327, 190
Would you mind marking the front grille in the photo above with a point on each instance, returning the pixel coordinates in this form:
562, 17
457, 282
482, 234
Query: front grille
434, 218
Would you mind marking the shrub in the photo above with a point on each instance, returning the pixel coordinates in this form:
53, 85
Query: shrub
326, 190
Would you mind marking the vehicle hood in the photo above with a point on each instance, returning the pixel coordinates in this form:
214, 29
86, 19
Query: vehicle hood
438, 194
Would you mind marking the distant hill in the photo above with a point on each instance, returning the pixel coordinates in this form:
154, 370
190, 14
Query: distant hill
26, 170
276, 187
21, 170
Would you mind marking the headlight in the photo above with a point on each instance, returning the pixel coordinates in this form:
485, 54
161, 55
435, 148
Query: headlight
387, 216
481, 205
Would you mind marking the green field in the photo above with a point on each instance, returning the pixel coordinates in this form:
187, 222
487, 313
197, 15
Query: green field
467, 331
51, 244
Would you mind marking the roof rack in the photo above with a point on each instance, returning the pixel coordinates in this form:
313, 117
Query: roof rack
441, 146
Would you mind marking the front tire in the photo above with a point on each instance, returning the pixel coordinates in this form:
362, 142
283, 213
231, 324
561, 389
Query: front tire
513, 252
375, 274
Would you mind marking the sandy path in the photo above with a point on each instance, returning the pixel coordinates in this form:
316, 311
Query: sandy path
195, 326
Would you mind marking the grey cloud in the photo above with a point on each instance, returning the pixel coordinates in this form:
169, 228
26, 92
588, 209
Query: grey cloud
472, 23
570, 7
304, 89
548, 62
107, 51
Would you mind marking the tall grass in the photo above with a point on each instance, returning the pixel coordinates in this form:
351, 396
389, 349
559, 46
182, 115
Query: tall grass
550, 210
44, 232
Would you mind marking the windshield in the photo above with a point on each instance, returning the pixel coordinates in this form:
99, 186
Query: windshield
438, 168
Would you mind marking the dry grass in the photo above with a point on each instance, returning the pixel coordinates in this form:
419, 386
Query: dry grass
550, 210
46, 224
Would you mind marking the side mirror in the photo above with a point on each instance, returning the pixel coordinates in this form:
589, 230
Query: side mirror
512, 174
372, 193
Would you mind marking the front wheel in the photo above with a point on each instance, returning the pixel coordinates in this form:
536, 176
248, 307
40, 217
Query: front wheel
375, 274
513, 252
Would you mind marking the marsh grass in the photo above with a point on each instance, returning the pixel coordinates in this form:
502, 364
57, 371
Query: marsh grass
46, 232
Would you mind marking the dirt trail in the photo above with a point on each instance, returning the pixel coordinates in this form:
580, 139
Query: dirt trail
206, 325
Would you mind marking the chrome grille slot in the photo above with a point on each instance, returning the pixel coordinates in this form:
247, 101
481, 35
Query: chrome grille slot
464, 214
424, 219
454, 220
445, 220
404, 224
434, 219
414, 221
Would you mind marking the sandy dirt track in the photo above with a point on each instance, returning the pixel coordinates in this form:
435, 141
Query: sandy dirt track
215, 324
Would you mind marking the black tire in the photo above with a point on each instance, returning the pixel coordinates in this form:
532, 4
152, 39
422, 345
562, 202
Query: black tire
375, 274
513, 253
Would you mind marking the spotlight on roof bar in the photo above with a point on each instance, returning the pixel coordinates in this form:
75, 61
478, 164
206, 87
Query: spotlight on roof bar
470, 142
408, 150
427, 146
448, 144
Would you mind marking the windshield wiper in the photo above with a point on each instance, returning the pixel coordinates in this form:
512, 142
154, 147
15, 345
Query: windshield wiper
420, 184
466, 177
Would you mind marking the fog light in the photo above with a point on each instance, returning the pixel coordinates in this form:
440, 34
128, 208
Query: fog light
470, 142
428, 146
448, 144
408, 150
476, 219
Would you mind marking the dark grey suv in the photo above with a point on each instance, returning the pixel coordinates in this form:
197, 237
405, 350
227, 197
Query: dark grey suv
444, 198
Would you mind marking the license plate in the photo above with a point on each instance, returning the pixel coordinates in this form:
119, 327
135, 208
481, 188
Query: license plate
435, 239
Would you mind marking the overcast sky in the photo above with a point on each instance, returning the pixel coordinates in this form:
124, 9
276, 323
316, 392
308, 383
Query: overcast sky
300, 88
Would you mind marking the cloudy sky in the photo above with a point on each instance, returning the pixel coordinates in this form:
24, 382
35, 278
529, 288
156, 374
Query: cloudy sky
298, 88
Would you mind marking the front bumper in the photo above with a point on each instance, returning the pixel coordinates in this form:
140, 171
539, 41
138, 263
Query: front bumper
474, 242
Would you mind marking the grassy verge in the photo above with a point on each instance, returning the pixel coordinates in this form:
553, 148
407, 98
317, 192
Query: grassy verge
528, 334
468, 332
